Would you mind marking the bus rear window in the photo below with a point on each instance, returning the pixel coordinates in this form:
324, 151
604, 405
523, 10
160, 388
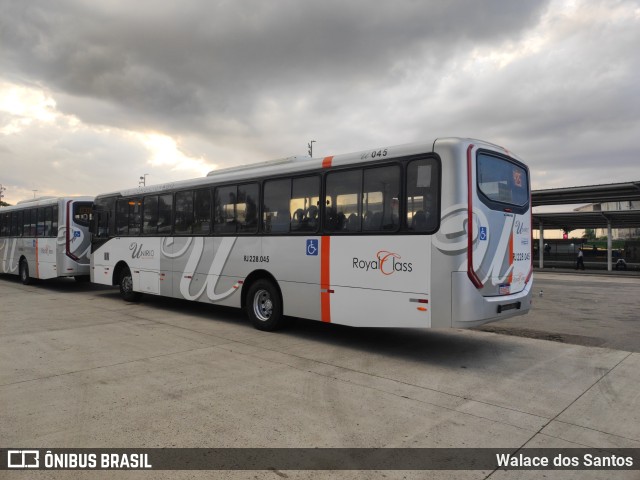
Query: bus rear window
502, 181
82, 212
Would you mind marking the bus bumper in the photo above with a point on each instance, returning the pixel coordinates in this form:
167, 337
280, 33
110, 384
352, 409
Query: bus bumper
470, 309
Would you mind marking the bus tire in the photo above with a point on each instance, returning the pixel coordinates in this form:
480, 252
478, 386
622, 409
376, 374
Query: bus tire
24, 273
126, 286
264, 306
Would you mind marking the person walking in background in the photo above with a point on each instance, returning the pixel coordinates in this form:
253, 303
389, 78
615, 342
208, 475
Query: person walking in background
580, 262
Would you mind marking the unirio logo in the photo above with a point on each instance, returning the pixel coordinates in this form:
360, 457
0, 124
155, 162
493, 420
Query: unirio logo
138, 251
385, 262
521, 227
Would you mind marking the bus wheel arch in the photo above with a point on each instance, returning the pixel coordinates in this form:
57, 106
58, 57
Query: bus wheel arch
123, 278
117, 272
261, 298
23, 270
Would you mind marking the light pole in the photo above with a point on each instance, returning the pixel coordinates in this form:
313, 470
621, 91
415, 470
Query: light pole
310, 145
143, 180
34, 193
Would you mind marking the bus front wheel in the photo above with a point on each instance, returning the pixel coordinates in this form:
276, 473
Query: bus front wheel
264, 306
126, 286
24, 273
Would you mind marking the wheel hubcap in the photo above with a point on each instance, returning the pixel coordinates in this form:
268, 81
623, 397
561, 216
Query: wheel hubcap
262, 305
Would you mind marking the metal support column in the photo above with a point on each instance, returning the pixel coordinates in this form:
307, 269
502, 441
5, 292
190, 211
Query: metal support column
541, 247
609, 246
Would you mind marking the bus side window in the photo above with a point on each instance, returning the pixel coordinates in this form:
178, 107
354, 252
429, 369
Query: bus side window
40, 224
6, 224
47, 221
26, 223
14, 224
422, 195
225, 207
165, 207
183, 218
276, 198
54, 222
305, 198
247, 208
150, 215
202, 212
135, 216
20, 222
122, 217
346, 188
33, 215
380, 200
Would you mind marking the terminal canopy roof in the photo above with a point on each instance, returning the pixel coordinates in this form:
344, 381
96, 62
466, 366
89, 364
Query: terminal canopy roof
575, 220
612, 192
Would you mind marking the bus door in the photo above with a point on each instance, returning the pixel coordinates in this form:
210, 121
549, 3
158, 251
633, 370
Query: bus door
500, 226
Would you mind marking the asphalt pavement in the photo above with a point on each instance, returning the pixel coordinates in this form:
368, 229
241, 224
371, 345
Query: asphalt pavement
81, 368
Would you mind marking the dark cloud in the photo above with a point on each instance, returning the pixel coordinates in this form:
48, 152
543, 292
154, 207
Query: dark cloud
203, 59
242, 81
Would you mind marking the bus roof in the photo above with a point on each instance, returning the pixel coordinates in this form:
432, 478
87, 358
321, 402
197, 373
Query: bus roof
297, 164
44, 201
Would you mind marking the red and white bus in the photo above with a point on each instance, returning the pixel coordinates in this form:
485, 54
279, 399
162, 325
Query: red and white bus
433, 234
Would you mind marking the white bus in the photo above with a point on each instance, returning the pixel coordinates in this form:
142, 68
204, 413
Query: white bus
424, 235
46, 238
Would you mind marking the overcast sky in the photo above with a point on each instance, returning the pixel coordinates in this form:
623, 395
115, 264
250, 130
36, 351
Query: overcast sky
95, 94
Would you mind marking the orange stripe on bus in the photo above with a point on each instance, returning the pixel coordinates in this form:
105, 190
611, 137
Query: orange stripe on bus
326, 162
325, 299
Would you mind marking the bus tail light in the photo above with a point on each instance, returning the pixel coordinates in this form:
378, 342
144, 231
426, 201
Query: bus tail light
422, 301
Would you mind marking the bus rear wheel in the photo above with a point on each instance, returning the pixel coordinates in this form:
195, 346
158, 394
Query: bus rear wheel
126, 286
264, 306
24, 273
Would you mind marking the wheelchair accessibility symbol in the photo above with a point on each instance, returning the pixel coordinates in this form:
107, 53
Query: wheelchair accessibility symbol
483, 233
312, 247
